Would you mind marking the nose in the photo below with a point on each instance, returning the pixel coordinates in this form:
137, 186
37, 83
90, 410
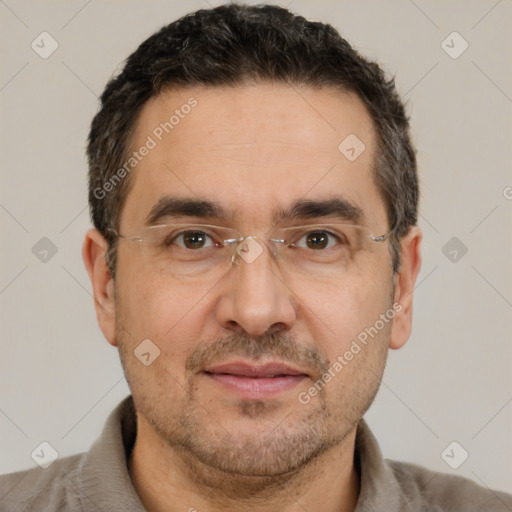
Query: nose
256, 300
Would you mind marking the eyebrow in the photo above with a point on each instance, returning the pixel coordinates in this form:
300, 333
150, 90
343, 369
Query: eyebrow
168, 208
335, 208
171, 207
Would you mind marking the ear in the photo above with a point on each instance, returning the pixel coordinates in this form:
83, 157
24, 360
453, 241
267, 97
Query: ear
93, 253
404, 286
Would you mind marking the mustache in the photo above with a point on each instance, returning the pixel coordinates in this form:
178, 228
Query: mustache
277, 346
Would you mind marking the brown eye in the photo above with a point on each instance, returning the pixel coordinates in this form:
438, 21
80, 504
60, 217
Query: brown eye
317, 240
194, 240
320, 240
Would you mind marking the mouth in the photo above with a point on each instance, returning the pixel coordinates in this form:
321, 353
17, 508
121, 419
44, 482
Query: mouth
256, 382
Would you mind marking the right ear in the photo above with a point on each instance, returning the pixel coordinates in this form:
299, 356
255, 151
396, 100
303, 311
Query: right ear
94, 250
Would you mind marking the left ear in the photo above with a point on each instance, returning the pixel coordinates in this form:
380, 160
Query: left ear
404, 286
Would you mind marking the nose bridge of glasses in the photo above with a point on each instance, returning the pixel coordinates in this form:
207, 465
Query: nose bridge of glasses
251, 247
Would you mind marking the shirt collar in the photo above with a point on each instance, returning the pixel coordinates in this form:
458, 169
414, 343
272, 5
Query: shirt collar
102, 476
103, 479
379, 488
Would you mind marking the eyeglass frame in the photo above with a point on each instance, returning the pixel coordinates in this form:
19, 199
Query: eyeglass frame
240, 240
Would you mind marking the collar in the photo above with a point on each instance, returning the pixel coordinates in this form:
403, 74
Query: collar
104, 480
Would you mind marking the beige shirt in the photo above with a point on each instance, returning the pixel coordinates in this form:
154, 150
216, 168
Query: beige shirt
99, 480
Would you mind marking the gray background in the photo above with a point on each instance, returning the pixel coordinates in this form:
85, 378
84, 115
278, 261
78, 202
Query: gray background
451, 382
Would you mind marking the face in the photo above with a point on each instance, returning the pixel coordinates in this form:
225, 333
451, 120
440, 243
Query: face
254, 152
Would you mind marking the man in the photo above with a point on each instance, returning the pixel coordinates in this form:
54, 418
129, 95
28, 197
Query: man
254, 195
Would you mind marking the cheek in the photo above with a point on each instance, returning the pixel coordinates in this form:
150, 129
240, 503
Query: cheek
343, 309
347, 329
172, 318
170, 314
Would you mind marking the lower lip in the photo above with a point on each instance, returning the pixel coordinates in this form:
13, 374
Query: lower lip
257, 388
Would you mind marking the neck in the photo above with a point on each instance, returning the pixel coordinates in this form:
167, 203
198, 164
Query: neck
170, 478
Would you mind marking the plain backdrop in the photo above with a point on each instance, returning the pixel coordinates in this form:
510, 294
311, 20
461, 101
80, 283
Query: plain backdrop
451, 382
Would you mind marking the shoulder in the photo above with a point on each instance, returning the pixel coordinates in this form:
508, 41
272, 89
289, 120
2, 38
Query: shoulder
435, 491
53, 488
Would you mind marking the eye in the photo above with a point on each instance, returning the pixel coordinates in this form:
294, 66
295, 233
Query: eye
192, 240
318, 240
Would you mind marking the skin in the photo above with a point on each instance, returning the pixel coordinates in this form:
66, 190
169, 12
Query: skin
251, 149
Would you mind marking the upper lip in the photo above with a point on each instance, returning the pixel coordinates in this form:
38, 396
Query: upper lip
244, 369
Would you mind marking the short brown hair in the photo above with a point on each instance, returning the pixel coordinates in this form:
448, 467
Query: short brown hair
234, 45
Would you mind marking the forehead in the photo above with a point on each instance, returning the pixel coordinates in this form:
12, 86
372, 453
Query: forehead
253, 150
